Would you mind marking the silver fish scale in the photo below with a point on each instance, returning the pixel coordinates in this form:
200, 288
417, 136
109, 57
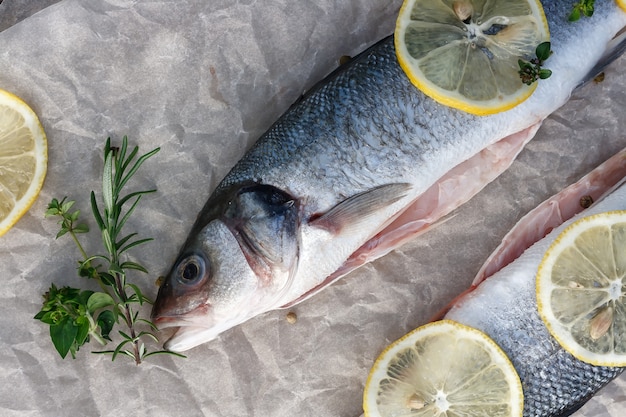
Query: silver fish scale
554, 382
367, 126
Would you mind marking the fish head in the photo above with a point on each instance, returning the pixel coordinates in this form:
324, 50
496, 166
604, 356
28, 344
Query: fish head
231, 269
210, 288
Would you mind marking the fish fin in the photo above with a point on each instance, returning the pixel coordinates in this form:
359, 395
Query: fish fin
357, 208
615, 48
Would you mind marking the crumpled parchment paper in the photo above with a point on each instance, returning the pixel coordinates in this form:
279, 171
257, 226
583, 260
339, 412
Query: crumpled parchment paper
203, 80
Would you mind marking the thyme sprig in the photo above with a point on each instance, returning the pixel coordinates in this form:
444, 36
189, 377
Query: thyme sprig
531, 71
582, 8
75, 316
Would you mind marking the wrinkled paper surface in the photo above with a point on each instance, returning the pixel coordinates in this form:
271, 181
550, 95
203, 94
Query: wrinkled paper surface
203, 80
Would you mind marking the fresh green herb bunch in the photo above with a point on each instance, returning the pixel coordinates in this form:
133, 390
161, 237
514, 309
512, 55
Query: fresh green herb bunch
75, 316
532, 71
582, 8
70, 314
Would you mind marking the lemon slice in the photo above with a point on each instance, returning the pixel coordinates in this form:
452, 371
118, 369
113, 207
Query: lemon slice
464, 53
580, 289
23, 159
443, 369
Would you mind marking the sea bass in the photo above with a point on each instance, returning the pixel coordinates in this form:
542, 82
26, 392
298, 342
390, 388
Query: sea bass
504, 305
358, 166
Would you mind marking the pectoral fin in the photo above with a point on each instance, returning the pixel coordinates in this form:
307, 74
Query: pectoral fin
356, 209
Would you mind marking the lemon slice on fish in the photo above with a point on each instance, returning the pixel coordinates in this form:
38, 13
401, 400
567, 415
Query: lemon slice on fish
443, 369
581, 286
465, 53
23, 159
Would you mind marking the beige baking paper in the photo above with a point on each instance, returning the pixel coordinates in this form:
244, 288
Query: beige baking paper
203, 80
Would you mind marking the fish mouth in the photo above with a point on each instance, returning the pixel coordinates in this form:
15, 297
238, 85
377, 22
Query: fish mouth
188, 337
189, 329
194, 318
186, 334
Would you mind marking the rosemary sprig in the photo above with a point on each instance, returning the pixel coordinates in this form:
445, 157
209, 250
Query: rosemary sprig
75, 316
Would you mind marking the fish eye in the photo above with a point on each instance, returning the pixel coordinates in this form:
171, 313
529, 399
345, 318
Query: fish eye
191, 269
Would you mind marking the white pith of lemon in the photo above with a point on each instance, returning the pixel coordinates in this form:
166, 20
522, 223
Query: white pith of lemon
580, 289
23, 159
443, 366
464, 53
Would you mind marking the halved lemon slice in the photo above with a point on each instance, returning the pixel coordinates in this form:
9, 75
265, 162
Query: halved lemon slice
464, 53
23, 159
443, 369
581, 286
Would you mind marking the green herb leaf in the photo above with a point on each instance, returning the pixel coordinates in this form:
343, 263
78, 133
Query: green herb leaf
106, 241
81, 228
545, 73
40, 315
66, 206
106, 321
107, 184
83, 330
134, 265
96, 211
80, 298
574, 15
99, 300
141, 298
107, 279
543, 51
63, 336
